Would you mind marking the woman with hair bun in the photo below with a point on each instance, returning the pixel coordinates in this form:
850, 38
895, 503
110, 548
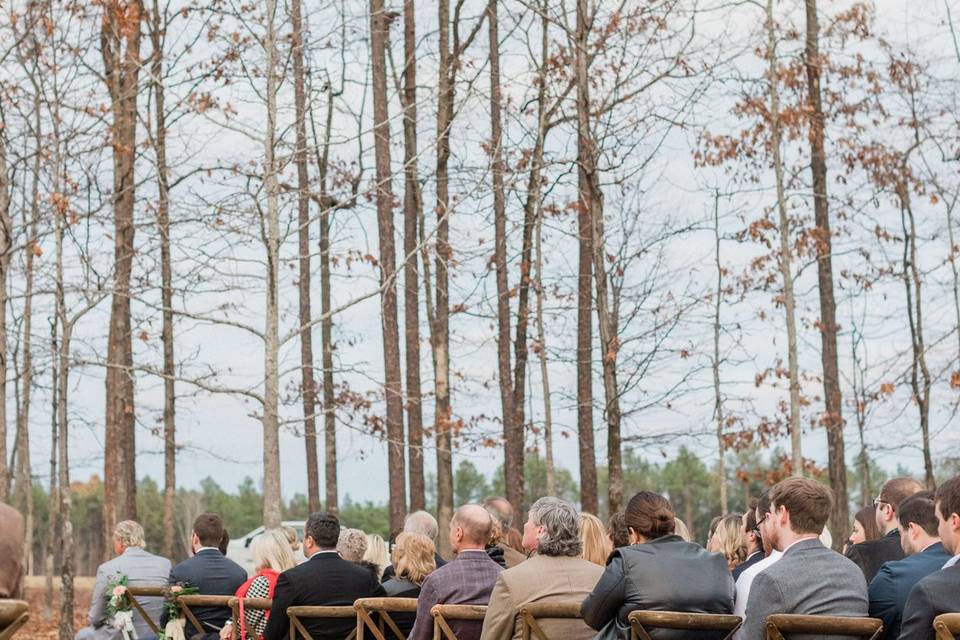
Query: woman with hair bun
658, 571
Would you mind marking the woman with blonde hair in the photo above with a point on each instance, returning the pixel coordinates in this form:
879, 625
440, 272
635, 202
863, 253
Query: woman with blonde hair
271, 556
728, 540
378, 554
596, 543
413, 559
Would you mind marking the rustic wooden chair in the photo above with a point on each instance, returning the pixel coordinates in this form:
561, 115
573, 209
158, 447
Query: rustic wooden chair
297, 630
373, 614
947, 626
442, 613
640, 621
190, 602
248, 604
134, 594
531, 614
786, 623
13, 615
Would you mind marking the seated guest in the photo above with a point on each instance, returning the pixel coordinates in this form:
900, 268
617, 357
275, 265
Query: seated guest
681, 529
325, 579
596, 545
809, 578
502, 512
555, 572
423, 523
617, 530
141, 568
939, 592
211, 573
728, 540
751, 537
224, 542
659, 571
771, 555
11, 551
495, 544
378, 553
871, 554
925, 554
271, 555
864, 527
468, 579
413, 558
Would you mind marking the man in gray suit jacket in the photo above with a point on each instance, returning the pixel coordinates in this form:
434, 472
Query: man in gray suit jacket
141, 568
809, 578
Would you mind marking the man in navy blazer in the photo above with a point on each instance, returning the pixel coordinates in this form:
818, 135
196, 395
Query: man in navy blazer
939, 592
924, 554
210, 572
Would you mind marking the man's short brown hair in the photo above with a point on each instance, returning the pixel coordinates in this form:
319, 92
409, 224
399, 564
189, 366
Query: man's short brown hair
948, 497
896, 490
209, 528
919, 510
807, 501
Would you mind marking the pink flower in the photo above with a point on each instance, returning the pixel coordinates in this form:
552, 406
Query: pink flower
119, 590
176, 589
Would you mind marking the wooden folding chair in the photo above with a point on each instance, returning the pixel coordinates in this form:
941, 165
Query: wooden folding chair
249, 604
381, 608
297, 630
443, 612
640, 621
13, 615
133, 597
531, 614
787, 623
200, 601
947, 626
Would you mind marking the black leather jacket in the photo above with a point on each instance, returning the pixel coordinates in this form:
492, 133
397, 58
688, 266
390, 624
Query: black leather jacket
666, 574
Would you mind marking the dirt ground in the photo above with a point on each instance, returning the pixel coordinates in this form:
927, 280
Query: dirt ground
39, 628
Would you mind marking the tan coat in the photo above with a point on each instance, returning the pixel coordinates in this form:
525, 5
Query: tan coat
540, 579
511, 556
11, 551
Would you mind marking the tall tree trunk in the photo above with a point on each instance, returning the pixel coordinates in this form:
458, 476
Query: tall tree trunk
51, 535
308, 387
6, 243
833, 418
512, 432
718, 397
379, 29
157, 30
441, 323
918, 365
588, 468
120, 49
786, 255
411, 300
272, 501
326, 322
544, 371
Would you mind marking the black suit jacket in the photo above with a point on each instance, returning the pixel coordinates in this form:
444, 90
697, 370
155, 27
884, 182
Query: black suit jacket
753, 559
938, 593
325, 579
871, 555
214, 575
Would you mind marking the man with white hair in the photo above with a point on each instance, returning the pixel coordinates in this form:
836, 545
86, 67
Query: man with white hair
418, 522
142, 569
554, 572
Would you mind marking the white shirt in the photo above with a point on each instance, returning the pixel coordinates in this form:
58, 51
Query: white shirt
952, 561
746, 580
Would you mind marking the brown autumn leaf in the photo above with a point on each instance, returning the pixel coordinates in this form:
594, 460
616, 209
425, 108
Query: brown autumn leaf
886, 388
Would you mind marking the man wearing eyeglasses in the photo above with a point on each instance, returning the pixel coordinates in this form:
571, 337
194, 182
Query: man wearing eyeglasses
871, 554
751, 534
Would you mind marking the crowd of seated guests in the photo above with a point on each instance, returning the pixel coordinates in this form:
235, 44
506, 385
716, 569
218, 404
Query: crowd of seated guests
900, 565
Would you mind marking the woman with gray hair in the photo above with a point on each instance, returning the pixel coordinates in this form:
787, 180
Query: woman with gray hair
555, 572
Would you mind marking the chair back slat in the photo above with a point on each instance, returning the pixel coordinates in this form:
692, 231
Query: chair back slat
640, 621
947, 626
442, 613
297, 630
787, 623
133, 597
256, 604
13, 615
367, 608
531, 614
198, 600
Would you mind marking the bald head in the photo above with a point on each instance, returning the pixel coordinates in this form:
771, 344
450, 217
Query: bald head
470, 527
894, 491
500, 509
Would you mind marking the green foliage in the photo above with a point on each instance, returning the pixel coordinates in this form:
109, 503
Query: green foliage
469, 485
366, 516
535, 481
